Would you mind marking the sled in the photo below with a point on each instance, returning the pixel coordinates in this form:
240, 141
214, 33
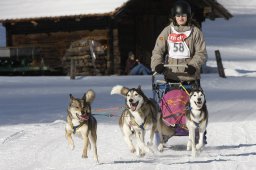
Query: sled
173, 101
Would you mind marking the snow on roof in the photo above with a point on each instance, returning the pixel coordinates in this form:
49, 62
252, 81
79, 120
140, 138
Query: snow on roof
22, 9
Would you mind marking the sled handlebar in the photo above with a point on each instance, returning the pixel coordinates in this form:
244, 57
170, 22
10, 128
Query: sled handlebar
170, 66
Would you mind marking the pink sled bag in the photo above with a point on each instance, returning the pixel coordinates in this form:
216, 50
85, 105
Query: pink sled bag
173, 106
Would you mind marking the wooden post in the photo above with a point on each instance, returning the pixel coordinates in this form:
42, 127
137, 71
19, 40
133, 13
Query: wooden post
110, 47
72, 69
219, 64
8, 36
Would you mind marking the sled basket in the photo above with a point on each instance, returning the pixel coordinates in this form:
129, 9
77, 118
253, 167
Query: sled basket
173, 106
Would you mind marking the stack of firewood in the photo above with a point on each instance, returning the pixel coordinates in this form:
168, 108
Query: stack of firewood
89, 58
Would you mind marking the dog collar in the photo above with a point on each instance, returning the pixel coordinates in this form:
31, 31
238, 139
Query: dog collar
188, 108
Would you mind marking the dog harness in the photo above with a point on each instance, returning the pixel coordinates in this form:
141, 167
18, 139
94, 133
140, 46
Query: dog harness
77, 127
133, 122
196, 124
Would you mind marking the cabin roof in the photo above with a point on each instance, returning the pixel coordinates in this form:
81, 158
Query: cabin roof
20, 10
31, 9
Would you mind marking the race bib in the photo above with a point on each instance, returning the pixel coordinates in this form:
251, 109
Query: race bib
178, 49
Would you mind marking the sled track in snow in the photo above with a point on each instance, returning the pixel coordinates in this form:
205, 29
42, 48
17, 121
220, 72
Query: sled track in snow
14, 136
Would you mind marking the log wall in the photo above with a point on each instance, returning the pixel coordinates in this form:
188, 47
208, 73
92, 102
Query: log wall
54, 45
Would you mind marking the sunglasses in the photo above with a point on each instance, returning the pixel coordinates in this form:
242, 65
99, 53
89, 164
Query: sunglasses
181, 15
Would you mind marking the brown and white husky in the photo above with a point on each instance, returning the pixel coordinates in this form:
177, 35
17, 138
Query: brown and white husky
80, 121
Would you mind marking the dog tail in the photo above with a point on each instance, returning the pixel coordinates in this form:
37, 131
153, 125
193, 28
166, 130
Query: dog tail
118, 89
89, 96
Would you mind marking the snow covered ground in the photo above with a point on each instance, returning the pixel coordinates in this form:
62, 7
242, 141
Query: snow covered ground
33, 111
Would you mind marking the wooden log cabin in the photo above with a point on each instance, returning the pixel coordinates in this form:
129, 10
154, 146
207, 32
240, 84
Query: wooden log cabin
119, 26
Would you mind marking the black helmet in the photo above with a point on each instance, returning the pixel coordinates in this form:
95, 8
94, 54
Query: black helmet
181, 7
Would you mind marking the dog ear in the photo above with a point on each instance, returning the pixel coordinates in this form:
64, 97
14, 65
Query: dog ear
200, 89
194, 87
89, 96
71, 96
139, 87
84, 97
140, 90
124, 91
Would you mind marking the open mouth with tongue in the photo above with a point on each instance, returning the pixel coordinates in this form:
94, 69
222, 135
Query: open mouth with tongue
133, 106
198, 103
83, 117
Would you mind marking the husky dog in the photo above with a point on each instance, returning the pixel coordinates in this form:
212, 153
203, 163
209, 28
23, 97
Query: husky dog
197, 117
80, 121
139, 116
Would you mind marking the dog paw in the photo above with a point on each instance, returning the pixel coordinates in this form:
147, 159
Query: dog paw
142, 154
149, 150
149, 144
199, 146
160, 147
96, 159
132, 150
84, 156
189, 146
193, 153
72, 147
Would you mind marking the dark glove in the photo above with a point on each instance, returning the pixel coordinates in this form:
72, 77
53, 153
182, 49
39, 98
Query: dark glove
190, 70
160, 68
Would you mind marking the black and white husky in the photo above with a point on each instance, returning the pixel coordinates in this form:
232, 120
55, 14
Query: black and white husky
197, 117
139, 116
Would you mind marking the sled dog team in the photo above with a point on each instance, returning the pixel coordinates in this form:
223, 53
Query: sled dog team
140, 115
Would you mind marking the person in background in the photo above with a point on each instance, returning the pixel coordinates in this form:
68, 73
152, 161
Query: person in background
184, 44
135, 67
130, 62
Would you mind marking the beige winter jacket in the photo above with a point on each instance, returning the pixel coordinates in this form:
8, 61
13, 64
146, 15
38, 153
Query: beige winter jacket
196, 45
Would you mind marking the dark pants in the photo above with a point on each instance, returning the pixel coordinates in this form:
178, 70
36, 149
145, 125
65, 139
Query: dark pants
140, 69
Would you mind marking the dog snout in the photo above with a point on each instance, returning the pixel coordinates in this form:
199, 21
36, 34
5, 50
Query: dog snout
199, 99
131, 100
82, 112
